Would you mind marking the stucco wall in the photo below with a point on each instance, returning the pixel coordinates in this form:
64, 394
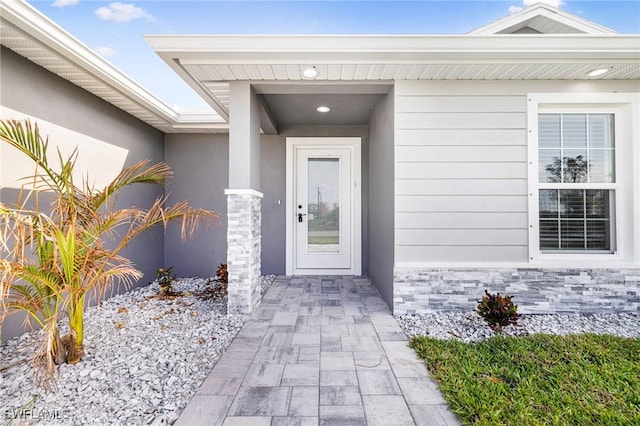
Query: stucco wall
101, 129
273, 186
381, 211
200, 164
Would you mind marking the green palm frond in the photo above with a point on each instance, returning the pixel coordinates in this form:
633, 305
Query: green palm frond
25, 138
139, 172
190, 218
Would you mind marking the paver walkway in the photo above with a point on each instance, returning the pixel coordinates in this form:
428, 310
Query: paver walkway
319, 350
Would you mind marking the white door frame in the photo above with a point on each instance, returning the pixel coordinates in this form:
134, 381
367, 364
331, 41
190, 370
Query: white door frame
354, 145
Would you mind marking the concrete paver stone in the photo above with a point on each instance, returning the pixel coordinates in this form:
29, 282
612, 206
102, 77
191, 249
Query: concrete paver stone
319, 351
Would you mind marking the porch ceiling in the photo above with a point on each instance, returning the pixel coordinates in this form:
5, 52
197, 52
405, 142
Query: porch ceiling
209, 62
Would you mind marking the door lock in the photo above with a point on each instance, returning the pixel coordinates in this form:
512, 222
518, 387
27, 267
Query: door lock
300, 217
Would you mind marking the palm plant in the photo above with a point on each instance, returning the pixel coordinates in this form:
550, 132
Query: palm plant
76, 242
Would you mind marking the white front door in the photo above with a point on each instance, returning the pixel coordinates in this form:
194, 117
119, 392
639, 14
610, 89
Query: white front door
323, 205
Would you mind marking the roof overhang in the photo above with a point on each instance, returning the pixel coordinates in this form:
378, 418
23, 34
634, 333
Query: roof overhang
35, 37
209, 62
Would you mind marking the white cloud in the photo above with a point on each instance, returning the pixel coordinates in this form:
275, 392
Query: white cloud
64, 3
527, 3
106, 51
122, 12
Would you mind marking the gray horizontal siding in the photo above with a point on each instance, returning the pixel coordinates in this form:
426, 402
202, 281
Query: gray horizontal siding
456, 170
463, 137
460, 203
468, 154
460, 181
461, 120
460, 254
469, 186
462, 220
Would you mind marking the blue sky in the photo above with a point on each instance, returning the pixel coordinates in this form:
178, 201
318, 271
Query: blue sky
116, 28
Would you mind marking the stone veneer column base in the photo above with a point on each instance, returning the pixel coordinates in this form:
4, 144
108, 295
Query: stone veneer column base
244, 246
535, 291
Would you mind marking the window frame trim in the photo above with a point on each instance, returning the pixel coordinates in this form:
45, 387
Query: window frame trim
624, 106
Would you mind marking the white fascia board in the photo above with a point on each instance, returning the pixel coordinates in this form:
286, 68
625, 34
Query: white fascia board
206, 118
196, 86
397, 49
549, 12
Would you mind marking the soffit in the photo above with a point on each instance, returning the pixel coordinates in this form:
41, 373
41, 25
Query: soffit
300, 108
542, 25
373, 59
215, 77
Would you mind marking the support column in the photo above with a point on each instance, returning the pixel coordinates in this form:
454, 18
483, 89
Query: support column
244, 201
244, 233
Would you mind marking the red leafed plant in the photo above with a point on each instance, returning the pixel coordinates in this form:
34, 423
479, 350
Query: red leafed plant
498, 311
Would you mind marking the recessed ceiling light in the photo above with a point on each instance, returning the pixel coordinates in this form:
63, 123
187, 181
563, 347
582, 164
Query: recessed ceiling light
323, 109
599, 71
311, 72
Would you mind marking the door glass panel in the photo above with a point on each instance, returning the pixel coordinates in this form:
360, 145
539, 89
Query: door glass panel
324, 205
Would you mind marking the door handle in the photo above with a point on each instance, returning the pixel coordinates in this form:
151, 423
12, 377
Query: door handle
300, 216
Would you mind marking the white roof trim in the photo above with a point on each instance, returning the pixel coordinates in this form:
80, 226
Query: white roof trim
388, 49
207, 61
524, 16
36, 27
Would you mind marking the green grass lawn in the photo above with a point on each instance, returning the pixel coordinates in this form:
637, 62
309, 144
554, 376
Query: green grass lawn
538, 380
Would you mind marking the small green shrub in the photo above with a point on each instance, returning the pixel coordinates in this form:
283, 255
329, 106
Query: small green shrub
165, 280
498, 311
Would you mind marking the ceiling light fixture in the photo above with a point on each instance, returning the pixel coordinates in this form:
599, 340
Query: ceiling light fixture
311, 72
323, 109
598, 72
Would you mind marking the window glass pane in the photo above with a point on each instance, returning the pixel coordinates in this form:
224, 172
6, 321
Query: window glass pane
572, 235
549, 166
549, 234
549, 130
324, 205
601, 131
576, 149
575, 167
598, 235
574, 130
583, 223
548, 203
601, 166
572, 203
597, 202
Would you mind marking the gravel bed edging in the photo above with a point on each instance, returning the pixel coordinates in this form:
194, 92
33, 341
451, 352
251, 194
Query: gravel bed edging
470, 327
145, 359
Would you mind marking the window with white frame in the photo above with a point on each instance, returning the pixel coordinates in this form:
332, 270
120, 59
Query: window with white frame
576, 182
584, 178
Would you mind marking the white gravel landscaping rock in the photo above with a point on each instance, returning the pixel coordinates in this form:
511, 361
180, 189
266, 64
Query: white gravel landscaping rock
145, 358
470, 327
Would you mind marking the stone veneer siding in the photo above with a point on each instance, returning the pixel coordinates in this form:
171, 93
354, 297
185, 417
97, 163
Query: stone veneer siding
244, 233
535, 291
